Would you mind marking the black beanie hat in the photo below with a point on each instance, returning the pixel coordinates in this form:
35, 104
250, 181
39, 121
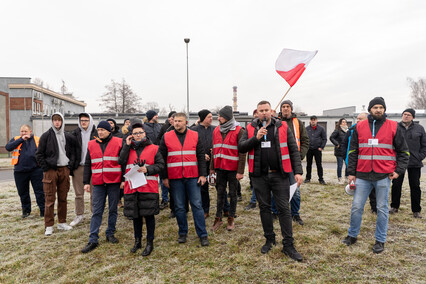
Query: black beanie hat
226, 112
377, 101
150, 114
287, 102
203, 114
171, 113
410, 110
105, 125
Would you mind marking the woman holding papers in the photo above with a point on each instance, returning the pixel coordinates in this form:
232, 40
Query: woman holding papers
141, 201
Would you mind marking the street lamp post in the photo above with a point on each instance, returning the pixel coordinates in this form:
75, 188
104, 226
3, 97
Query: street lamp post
187, 77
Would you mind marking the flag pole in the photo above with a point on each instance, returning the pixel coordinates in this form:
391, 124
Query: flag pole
275, 109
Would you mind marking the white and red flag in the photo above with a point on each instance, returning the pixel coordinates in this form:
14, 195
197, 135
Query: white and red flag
292, 63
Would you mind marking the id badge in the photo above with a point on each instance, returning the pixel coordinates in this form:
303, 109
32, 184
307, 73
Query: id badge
265, 144
373, 142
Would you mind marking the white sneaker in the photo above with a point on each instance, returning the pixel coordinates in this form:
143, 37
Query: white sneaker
64, 226
77, 220
340, 181
49, 231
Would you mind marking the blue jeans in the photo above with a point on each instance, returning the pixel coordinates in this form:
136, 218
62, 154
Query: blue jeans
363, 189
180, 189
253, 196
164, 192
340, 167
100, 192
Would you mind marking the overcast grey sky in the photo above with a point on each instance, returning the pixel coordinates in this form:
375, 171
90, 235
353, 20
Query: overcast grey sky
366, 49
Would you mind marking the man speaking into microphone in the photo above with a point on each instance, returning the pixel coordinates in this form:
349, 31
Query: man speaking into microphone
273, 154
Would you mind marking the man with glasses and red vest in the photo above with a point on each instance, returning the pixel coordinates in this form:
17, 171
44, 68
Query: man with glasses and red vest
378, 154
185, 173
227, 163
106, 174
273, 155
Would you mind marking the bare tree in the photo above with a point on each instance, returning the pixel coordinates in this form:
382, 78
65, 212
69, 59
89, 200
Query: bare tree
120, 98
151, 106
418, 93
163, 111
38, 82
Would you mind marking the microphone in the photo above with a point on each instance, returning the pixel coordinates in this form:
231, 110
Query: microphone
264, 125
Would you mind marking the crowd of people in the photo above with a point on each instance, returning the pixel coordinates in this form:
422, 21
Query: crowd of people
178, 159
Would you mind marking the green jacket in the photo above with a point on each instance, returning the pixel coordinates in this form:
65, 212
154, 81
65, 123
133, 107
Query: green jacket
303, 134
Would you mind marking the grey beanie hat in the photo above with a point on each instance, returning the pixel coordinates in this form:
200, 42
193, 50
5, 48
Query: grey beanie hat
226, 112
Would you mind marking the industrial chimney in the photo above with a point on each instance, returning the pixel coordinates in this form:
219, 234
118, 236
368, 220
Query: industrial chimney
234, 99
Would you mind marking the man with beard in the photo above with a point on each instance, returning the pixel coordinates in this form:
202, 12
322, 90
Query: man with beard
378, 154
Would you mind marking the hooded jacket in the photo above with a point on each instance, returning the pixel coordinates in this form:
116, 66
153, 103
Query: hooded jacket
116, 132
48, 153
79, 133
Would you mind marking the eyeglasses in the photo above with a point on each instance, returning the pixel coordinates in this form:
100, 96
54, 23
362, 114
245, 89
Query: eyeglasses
84, 120
138, 133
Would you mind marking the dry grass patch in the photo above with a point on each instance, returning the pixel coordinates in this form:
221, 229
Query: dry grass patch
232, 257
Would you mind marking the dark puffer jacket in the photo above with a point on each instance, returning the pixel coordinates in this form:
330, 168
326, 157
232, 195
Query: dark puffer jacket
139, 204
415, 137
245, 145
337, 138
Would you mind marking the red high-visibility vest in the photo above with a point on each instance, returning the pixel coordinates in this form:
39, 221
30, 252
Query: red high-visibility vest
225, 153
105, 167
182, 160
285, 156
379, 158
148, 154
16, 152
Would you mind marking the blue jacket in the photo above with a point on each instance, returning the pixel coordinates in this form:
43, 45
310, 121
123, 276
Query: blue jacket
27, 161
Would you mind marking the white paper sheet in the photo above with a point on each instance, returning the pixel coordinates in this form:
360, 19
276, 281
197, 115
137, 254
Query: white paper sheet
293, 188
135, 178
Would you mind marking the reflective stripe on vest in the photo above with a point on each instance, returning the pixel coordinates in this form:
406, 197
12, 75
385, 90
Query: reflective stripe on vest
148, 154
225, 152
296, 131
379, 158
182, 160
17, 152
105, 167
285, 157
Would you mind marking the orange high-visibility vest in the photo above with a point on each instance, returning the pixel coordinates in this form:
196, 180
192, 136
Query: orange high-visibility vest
105, 167
379, 158
148, 154
16, 152
182, 160
225, 152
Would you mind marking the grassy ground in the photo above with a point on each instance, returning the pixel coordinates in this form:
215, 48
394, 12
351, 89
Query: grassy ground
232, 257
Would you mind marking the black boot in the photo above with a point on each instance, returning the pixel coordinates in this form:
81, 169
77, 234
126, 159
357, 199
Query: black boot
137, 245
149, 247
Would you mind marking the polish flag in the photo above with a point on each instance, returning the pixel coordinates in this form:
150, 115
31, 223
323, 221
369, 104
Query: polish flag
292, 63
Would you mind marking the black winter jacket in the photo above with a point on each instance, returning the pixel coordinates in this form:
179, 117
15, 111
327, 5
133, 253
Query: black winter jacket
246, 144
415, 137
141, 203
77, 134
337, 138
48, 150
317, 137
399, 144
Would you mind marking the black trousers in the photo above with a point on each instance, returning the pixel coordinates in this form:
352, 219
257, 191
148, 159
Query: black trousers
280, 188
150, 227
318, 161
223, 178
205, 197
22, 181
414, 175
